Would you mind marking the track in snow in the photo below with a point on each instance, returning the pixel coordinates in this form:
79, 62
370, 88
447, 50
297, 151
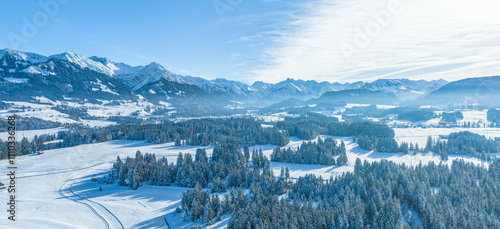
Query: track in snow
69, 196
105, 215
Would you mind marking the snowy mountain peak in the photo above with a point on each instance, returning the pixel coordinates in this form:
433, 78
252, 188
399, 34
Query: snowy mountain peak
102, 60
133, 77
85, 62
26, 57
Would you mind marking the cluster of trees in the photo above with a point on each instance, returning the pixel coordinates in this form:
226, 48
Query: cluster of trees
493, 115
370, 135
75, 113
382, 195
309, 127
417, 115
201, 206
29, 123
192, 132
82, 135
321, 152
27, 146
460, 143
202, 132
365, 111
365, 128
452, 117
387, 145
4, 106
306, 126
228, 167
143, 168
464, 143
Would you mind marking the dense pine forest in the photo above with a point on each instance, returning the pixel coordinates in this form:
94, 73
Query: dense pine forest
228, 167
381, 195
464, 143
248, 131
376, 195
191, 132
322, 152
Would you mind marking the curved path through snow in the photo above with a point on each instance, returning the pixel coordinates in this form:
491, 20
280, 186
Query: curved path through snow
109, 219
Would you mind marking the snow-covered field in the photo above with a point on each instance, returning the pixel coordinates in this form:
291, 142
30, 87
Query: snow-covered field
474, 116
31, 133
45, 112
55, 189
46, 184
419, 135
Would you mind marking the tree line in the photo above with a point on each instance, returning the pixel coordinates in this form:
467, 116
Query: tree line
324, 152
382, 195
198, 132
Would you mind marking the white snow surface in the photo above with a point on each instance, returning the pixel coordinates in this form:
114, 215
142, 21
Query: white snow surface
37, 70
43, 111
24, 56
419, 135
85, 62
16, 80
134, 77
30, 134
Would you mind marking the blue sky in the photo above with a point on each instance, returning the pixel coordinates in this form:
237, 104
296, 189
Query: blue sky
271, 40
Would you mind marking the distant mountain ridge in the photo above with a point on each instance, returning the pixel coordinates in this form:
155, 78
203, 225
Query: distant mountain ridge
363, 96
99, 76
481, 91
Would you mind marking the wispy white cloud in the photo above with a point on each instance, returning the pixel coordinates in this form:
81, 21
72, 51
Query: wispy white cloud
350, 40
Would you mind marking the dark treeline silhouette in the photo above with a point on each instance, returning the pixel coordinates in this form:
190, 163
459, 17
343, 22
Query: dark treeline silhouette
321, 152
75, 113
464, 143
29, 123
26, 146
417, 115
452, 117
191, 132
4, 106
493, 116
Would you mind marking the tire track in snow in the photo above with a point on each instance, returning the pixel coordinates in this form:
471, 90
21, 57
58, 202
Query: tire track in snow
112, 219
104, 214
77, 201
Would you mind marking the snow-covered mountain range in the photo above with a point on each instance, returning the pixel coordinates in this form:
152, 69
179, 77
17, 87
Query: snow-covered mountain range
98, 76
